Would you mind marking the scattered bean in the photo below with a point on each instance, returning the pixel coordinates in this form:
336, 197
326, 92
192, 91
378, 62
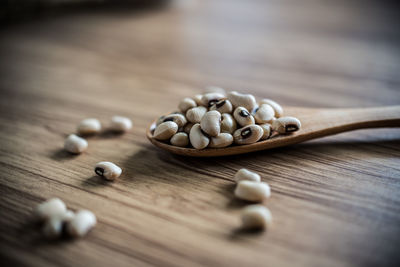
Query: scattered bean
89, 126
197, 138
75, 144
108, 170
252, 191
245, 174
53, 228
83, 221
165, 130
120, 124
211, 123
256, 217
286, 125
248, 134
180, 139
49, 208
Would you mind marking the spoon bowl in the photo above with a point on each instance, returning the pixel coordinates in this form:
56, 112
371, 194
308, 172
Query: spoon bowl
315, 123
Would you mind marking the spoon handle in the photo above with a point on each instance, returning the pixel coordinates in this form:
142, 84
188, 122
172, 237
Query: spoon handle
360, 118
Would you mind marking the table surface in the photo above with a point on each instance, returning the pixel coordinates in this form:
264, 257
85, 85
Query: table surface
335, 201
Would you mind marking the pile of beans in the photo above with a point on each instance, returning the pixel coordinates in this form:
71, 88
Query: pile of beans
216, 120
58, 219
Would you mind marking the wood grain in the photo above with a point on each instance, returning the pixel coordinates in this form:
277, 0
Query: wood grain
335, 201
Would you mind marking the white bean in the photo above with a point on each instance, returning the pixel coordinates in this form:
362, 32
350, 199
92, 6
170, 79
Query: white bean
256, 217
194, 115
49, 208
248, 134
252, 191
75, 144
180, 139
165, 130
120, 124
197, 138
83, 221
277, 108
243, 117
221, 140
186, 103
108, 170
89, 126
265, 113
286, 125
211, 123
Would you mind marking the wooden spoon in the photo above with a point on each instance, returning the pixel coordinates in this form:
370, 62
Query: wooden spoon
315, 123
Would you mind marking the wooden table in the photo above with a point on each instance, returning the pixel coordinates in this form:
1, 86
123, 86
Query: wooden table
335, 201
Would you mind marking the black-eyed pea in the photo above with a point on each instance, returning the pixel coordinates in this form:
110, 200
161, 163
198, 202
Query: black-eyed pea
223, 106
178, 118
245, 174
211, 98
186, 103
108, 170
277, 108
264, 114
211, 123
221, 140
165, 130
50, 208
252, 191
243, 117
267, 131
285, 125
83, 221
248, 134
53, 226
242, 100
197, 138
89, 126
256, 217
180, 139
75, 144
187, 127
120, 124
194, 115
197, 99
228, 123
160, 120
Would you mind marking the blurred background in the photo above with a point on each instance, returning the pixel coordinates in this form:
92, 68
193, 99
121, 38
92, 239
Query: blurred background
311, 52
